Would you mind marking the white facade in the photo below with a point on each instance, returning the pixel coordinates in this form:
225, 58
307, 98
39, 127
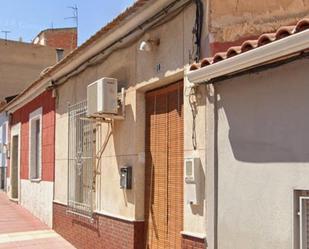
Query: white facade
37, 197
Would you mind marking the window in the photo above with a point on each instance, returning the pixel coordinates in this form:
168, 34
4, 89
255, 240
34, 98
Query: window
60, 54
304, 221
81, 177
301, 219
35, 144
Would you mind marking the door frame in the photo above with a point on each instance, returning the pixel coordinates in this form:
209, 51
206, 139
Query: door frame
15, 131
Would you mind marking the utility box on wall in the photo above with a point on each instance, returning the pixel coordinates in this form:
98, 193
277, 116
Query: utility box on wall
192, 180
126, 177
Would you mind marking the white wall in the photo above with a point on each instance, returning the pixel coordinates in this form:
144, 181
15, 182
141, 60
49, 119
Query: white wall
263, 156
37, 197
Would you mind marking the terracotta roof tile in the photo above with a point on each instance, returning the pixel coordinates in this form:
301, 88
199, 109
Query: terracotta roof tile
232, 51
263, 39
302, 25
284, 32
248, 45
266, 38
206, 61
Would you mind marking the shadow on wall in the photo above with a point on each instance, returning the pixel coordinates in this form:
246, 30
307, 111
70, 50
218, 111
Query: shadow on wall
266, 114
199, 208
120, 136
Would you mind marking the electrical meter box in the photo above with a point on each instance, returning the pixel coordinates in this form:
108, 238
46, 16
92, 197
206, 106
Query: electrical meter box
126, 177
192, 180
102, 97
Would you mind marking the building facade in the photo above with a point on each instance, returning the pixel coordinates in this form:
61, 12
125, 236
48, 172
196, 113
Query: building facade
30, 59
151, 211
31, 176
162, 135
256, 141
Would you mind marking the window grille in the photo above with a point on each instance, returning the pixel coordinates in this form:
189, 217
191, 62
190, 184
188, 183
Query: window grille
304, 222
81, 160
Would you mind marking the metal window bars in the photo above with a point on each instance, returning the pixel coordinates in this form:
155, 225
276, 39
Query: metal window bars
81, 160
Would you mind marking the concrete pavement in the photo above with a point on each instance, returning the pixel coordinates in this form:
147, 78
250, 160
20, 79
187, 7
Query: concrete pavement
19, 229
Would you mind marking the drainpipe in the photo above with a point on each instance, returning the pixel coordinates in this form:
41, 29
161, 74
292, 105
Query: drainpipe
211, 220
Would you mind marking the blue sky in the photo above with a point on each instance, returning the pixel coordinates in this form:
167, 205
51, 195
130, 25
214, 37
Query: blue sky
26, 18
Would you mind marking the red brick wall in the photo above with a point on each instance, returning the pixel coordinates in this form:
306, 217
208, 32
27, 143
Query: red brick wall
103, 232
47, 102
64, 38
189, 242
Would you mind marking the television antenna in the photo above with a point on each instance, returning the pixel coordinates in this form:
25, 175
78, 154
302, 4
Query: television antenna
6, 32
75, 14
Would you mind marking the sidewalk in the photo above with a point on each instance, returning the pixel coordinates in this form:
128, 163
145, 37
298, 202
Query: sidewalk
21, 230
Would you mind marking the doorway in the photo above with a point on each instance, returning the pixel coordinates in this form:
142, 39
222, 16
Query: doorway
164, 167
15, 162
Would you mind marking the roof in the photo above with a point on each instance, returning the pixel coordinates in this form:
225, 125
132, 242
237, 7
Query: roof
115, 23
249, 45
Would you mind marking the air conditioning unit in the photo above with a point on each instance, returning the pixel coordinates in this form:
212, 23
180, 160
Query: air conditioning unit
102, 97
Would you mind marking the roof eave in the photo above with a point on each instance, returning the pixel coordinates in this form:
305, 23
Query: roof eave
280, 48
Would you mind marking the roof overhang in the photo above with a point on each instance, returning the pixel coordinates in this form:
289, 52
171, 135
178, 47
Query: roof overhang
253, 58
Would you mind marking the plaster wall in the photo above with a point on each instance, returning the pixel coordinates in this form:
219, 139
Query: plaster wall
262, 156
21, 63
37, 197
137, 72
240, 18
194, 221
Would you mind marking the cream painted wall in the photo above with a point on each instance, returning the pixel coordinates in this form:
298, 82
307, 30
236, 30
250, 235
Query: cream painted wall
263, 141
195, 221
37, 197
136, 71
21, 64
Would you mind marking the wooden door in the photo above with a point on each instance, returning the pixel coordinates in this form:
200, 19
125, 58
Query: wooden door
164, 167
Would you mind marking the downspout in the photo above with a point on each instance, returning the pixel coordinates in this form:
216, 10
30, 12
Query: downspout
211, 154
198, 28
216, 167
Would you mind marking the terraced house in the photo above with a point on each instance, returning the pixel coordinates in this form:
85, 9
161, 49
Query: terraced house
257, 158
27, 124
130, 165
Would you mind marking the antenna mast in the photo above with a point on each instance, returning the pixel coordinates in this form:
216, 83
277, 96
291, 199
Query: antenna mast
74, 17
75, 14
6, 32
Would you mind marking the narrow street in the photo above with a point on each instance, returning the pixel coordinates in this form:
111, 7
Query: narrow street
20, 229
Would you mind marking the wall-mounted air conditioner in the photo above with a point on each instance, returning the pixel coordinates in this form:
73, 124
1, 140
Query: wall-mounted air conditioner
102, 97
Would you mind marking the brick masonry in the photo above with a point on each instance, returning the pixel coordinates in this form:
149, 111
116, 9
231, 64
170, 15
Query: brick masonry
189, 242
61, 38
103, 232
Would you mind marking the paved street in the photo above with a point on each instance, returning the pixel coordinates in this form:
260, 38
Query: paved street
20, 229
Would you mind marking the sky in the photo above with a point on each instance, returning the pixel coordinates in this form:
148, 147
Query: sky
26, 19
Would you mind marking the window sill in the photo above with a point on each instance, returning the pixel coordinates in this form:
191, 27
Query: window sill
36, 180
